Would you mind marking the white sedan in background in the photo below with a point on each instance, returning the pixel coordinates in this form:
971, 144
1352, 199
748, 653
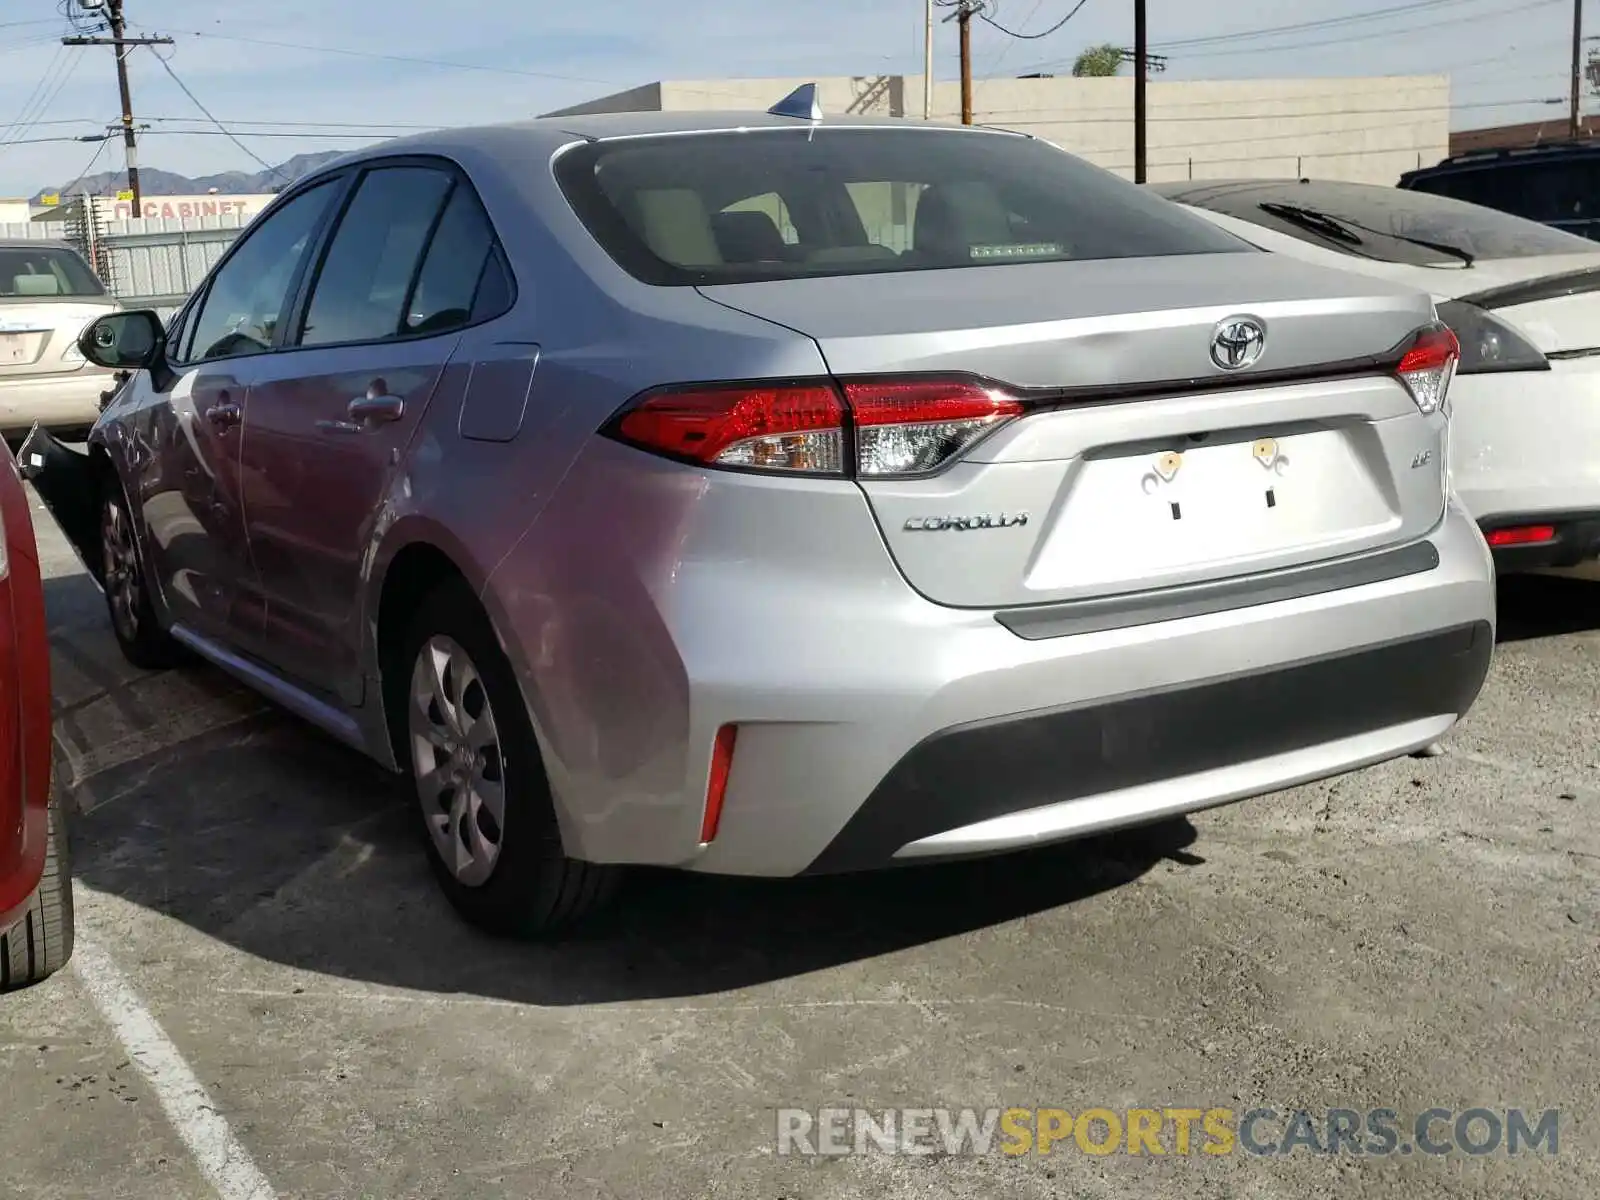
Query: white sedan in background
48, 293
1523, 298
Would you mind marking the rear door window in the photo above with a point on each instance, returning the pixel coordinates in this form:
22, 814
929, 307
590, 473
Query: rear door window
462, 253
741, 206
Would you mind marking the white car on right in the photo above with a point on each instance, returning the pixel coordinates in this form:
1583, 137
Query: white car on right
1524, 300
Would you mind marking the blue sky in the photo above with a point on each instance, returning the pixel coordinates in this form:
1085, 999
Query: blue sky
1505, 56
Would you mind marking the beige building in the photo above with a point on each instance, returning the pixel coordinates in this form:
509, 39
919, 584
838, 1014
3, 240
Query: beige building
1364, 129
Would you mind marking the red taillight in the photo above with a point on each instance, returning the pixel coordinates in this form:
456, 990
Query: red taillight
913, 426
1428, 365
775, 427
900, 427
717, 781
1522, 535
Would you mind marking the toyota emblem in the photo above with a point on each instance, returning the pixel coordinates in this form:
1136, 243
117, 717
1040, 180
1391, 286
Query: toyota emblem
1237, 343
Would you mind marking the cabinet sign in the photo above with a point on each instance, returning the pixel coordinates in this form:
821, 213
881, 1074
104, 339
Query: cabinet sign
179, 207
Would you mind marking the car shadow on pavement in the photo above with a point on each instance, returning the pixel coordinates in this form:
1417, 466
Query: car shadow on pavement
1542, 606
266, 836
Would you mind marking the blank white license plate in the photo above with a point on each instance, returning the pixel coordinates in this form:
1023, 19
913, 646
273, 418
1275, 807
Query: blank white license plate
16, 347
1212, 503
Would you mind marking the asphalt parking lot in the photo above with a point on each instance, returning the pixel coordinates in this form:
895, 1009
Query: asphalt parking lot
270, 997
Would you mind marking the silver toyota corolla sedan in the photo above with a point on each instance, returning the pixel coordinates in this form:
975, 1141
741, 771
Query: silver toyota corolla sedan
764, 494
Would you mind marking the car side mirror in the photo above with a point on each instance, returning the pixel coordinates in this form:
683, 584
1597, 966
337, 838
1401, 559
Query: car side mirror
124, 340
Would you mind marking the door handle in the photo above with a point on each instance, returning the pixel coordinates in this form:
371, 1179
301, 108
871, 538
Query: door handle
225, 415
377, 405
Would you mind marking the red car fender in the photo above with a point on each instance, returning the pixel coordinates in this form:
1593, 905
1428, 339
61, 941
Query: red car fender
25, 711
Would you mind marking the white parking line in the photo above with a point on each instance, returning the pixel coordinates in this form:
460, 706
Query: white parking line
220, 1157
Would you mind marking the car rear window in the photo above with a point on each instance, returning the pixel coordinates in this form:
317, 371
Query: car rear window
1386, 223
39, 272
742, 206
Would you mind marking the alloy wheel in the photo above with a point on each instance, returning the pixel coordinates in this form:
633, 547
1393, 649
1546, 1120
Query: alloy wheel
455, 753
122, 581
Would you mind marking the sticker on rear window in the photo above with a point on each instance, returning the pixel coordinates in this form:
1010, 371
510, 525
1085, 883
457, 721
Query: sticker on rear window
1017, 250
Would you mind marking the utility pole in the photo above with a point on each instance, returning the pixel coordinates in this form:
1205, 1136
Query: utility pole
927, 66
122, 44
1141, 72
1577, 68
964, 17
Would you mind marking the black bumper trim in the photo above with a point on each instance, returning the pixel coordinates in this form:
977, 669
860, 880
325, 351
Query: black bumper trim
976, 772
1100, 615
1577, 540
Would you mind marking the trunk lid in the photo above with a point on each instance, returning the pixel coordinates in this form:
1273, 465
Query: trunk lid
1142, 463
34, 336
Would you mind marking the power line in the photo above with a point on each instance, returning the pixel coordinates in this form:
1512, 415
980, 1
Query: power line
1357, 37
45, 141
405, 58
1317, 114
1304, 26
55, 94
167, 67
84, 174
38, 90
434, 62
221, 132
1005, 47
309, 125
1030, 37
28, 44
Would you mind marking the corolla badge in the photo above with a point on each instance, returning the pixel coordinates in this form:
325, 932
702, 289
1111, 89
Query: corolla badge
977, 521
1237, 343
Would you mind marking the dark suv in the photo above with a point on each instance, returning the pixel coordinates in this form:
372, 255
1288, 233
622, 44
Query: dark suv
1556, 184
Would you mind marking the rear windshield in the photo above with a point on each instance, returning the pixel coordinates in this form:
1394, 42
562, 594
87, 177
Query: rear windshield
1385, 223
35, 272
779, 204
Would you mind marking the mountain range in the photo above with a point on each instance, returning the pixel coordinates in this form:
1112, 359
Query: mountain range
155, 182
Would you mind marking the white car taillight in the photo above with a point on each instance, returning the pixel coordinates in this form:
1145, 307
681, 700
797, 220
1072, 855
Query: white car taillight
1428, 366
897, 428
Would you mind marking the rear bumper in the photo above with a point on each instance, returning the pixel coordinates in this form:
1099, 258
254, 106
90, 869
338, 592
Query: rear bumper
852, 695
65, 402
999, 785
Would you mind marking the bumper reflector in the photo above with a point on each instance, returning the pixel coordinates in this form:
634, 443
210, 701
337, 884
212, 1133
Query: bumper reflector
1522, 535
717, 783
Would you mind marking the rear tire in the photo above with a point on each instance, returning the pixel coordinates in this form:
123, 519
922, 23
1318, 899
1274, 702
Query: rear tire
482, 797
133, 617
40, 944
